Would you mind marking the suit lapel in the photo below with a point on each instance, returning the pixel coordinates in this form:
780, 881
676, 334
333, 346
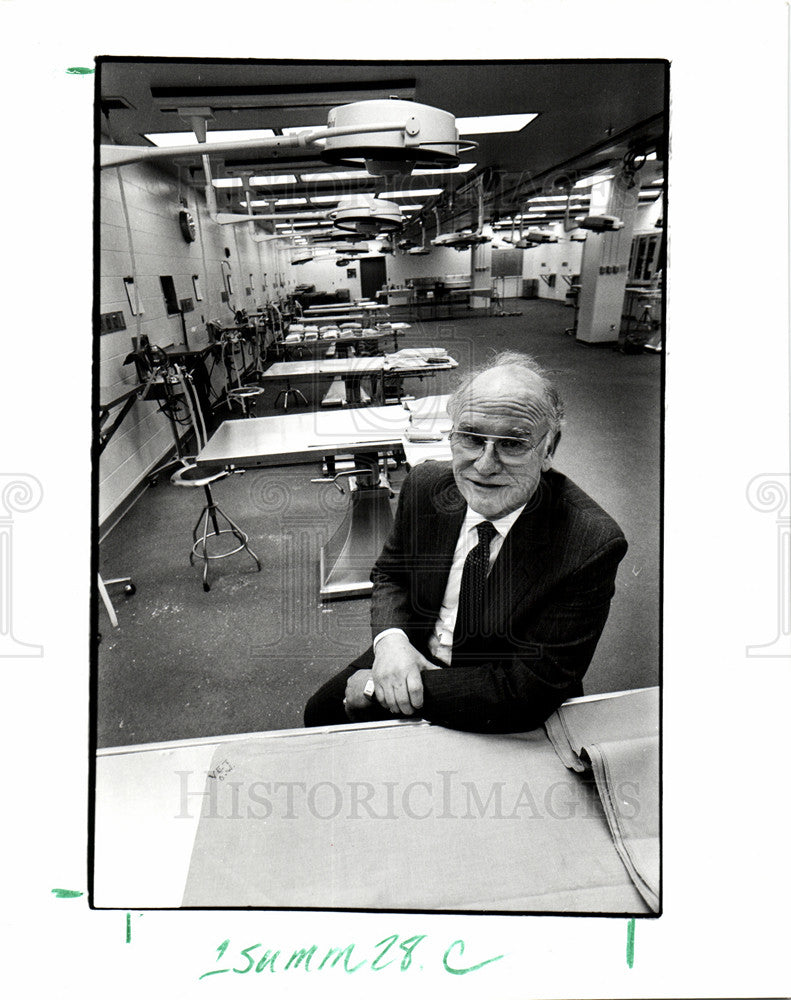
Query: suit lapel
445, 517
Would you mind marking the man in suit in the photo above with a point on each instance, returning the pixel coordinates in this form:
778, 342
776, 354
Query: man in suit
494, 586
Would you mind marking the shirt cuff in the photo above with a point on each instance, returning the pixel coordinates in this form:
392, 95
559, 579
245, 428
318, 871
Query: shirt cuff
388, 631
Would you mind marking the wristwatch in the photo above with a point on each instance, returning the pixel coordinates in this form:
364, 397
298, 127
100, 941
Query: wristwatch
369, 689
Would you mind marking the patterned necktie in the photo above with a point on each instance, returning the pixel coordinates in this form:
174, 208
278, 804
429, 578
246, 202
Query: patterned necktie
473, 581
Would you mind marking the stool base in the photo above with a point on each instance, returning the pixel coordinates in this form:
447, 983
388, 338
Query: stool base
211, 515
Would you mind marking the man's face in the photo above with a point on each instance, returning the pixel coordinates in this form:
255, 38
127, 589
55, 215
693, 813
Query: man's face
506, 403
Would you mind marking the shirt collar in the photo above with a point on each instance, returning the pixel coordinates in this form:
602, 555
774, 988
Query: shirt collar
502, 525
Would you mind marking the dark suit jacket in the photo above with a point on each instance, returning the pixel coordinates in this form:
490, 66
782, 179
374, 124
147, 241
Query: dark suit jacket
546, 601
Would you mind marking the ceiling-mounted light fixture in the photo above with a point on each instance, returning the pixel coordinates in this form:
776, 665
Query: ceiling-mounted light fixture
302, 256
387, 137
601, 223
465, 239
533, 237
365, 214
414, 134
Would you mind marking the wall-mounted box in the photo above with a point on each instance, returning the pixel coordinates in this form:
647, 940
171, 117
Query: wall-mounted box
112, 321
186, 305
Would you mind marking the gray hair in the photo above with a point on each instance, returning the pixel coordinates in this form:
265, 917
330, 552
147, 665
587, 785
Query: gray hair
529, 365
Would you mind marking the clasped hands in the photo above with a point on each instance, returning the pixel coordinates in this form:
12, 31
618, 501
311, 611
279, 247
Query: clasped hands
398, 685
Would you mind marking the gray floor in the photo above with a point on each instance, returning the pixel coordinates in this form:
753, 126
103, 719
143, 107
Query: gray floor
246, 656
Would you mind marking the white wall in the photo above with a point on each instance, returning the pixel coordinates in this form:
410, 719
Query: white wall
439, 262
327, 276
647, 216
563, 258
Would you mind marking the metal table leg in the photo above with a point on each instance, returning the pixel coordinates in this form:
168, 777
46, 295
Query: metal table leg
346, 560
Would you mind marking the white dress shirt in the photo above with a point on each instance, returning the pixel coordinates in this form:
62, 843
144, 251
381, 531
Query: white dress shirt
441, 641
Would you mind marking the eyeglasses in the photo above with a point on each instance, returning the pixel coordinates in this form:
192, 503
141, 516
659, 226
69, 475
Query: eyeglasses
508, 449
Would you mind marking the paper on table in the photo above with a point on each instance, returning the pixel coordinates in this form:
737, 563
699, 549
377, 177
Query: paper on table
404, 817
627, 778
414, 357
617, 738
586, 720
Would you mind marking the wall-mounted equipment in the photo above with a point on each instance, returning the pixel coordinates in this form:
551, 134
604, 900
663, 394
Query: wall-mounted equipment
196, 288
112, 321
169, 294
225, 274
132, 296
187, 226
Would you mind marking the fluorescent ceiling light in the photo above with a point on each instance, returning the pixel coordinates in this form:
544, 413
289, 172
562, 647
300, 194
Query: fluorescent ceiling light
548, 197
594, 179
222, 135
299, 225
462, 168
291, 201
576, 206
288, 215
493, 123
337, 175
417, 193
361, 174
272, 181
333, 199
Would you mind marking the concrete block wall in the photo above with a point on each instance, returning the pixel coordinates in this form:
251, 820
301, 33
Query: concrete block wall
139, 236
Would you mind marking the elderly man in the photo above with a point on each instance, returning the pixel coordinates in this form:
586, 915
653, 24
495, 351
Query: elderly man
494, 586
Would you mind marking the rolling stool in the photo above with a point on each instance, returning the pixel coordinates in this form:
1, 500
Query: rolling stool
191, 476
246, 395
288, 391
129, 589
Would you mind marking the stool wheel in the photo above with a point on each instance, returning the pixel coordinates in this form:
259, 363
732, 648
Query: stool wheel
130, 589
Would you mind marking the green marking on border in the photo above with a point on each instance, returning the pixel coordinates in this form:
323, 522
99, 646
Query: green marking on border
66, 893
630, 943
128, 928
79, 70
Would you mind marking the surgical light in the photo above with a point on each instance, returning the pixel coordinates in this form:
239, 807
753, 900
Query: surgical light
366, 215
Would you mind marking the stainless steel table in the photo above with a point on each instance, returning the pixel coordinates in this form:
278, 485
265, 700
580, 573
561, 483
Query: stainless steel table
367, 433
353, 371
